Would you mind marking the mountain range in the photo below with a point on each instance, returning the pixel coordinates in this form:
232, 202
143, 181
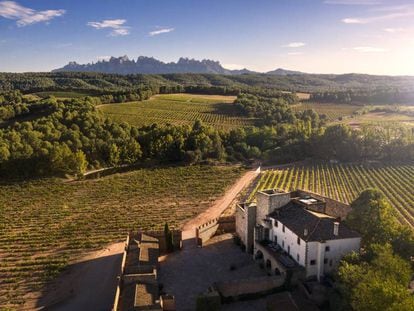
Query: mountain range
150, 65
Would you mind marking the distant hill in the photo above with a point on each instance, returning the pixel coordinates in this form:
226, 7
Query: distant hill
150, 65
147, 65
284, 72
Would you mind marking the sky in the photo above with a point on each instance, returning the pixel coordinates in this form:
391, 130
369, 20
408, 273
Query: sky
315, 36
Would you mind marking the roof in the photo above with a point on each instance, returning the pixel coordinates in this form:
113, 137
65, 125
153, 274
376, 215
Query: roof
148, 250
145, 295
319, 227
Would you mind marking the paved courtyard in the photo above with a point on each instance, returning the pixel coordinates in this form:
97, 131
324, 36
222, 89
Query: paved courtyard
187, 273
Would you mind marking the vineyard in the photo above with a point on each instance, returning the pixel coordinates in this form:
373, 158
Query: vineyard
47, 223
383, 119
332, 111
61, 94
179, 109
344, 182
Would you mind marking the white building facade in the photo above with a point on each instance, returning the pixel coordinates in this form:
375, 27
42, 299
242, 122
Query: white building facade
294, 227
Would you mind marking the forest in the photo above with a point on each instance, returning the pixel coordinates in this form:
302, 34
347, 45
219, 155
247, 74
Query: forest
70, 136
259, 84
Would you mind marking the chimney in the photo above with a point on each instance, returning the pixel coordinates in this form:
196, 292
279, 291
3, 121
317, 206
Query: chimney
336, 228
305, 232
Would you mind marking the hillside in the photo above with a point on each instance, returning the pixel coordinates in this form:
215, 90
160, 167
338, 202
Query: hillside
100, 82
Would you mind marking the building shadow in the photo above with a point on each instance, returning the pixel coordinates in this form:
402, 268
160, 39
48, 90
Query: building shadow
88, 285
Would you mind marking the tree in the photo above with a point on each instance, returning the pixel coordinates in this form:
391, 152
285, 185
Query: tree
81, 164
131, 152
373, 217
169, 243
377, 282
114, 155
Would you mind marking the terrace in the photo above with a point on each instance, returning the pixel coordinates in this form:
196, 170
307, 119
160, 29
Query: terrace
277, 262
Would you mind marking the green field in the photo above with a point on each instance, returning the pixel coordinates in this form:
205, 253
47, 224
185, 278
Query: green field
46, 223
332, 111
344, 182
179, 109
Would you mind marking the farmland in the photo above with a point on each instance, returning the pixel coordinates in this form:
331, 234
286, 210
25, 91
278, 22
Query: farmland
344, 182
60, 94
46, 223
332, 111
381, 119
179, 109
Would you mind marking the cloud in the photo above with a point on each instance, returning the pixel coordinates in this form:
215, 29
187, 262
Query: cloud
394, 30
160, 31
353, 2
117, 26
392, 12
353, 21
294, 53
294, 45
26, 16
368, 49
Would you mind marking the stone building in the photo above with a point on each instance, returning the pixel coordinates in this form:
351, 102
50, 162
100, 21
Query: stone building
287, 230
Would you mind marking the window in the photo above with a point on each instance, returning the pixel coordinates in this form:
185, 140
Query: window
313, 262
266, 234
283, 228
298, 240
289, 249
276, 223
283, 243
297, 257
275, 240
325, 261
327, 248
330, 263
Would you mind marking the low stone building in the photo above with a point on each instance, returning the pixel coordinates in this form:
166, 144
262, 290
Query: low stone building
287, 230
138, 287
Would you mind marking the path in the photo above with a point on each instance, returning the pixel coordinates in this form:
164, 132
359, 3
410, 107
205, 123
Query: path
218, 207
89, 284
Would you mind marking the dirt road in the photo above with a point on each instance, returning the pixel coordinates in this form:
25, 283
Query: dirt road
221, 204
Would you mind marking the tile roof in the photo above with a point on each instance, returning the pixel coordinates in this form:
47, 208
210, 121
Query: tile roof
319, 227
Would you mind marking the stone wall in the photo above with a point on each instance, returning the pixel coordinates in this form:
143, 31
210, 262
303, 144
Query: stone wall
245, 222
227, 224
140, 278
161, 238
245, 288
268, 202
207, 230
121, 272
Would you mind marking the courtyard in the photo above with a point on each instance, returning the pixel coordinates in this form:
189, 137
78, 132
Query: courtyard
191, 271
